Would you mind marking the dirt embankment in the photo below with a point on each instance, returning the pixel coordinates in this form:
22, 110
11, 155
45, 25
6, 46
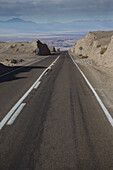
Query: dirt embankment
94, 54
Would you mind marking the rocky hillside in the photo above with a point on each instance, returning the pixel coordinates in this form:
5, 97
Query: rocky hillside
96, 46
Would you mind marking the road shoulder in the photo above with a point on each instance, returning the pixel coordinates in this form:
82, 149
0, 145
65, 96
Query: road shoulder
100, 78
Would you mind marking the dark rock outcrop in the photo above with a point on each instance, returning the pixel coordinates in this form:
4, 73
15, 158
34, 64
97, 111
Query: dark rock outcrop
43, 48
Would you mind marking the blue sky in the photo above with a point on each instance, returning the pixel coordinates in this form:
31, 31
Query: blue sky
56, 10
56, 16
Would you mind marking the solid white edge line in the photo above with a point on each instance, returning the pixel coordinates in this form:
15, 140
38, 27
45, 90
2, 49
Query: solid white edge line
109, 117
10, 113
23, 66
15, 115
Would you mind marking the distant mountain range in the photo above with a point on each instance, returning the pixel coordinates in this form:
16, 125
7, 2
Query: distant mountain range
17, 25
17, 20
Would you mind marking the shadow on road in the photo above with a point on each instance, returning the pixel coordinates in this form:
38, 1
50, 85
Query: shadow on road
14, 71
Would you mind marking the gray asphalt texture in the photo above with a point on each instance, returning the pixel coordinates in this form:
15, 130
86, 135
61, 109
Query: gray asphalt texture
62, 126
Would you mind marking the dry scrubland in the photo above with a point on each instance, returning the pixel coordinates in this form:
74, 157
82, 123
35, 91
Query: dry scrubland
17, 53
97, 46
94, 53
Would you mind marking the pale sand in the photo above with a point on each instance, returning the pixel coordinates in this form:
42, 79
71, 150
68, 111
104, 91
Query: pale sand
97, 47
22, 53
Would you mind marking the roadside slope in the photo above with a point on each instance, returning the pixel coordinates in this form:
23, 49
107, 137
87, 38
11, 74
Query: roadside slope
94, 54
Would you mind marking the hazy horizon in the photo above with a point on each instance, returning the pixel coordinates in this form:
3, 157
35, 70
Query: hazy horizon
28, 20
60, 15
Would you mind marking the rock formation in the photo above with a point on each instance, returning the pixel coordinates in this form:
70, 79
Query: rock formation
97, 46
43, 48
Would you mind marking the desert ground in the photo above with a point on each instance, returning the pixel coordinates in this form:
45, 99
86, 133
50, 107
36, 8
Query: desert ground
17, 54
95, 63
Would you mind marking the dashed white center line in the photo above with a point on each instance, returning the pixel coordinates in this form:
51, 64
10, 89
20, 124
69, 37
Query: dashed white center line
18, 104
15, 115
37, 85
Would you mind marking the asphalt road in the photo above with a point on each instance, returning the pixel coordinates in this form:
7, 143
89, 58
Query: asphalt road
61, 127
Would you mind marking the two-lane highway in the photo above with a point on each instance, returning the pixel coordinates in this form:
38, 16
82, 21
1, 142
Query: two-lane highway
15, 84
61, 126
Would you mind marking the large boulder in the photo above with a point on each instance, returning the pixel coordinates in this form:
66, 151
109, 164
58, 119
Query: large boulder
43, 48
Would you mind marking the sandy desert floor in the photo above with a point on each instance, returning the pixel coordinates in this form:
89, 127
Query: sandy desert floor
12, 54
16, 54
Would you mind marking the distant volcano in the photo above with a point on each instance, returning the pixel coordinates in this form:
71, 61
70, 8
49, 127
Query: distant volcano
15, 20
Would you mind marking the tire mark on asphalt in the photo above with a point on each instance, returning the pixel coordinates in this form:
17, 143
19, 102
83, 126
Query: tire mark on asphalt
74, 129
33, 140
75, 97
92, 153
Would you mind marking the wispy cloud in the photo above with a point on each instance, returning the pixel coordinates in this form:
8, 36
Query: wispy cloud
56, 9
